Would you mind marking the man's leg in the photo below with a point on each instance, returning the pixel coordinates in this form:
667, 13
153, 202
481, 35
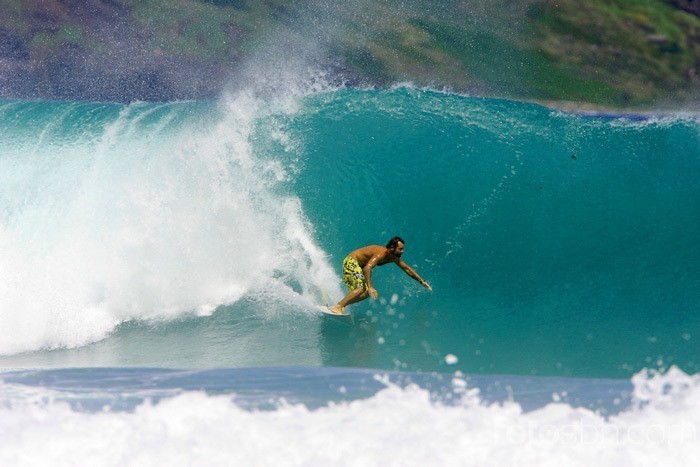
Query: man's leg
354, 279
354, 296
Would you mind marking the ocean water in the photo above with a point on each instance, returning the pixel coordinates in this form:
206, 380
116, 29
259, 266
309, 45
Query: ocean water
160, 266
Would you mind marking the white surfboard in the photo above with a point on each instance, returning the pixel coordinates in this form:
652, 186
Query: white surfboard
327, 311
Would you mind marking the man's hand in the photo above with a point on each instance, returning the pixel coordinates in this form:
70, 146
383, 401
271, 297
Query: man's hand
426, 285
373, 293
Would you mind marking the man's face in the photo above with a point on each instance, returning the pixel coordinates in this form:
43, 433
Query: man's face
397, 250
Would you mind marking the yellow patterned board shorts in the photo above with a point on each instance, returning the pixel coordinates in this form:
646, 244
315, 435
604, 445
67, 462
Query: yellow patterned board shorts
353, 276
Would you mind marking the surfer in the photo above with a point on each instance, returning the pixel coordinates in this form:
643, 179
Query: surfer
357, 271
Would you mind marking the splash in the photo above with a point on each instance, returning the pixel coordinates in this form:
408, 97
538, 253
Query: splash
145, 211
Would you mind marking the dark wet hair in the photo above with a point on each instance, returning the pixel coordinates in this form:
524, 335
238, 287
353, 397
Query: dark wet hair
394, 242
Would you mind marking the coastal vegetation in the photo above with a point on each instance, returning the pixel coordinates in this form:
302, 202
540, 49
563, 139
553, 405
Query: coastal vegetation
624, 54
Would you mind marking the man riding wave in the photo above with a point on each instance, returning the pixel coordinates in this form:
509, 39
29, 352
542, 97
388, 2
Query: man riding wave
357, 271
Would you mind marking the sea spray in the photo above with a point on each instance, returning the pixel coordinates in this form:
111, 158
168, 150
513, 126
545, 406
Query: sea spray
151, 212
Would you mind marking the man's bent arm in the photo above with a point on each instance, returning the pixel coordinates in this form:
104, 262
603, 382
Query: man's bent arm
367, 270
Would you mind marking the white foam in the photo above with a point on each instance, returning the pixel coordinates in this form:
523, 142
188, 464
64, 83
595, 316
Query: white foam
146, 222
394, 427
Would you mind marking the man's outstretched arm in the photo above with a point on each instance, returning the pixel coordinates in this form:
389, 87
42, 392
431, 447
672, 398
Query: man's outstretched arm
412, 273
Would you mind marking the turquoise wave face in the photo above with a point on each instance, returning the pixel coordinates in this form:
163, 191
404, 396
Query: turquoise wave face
556, 244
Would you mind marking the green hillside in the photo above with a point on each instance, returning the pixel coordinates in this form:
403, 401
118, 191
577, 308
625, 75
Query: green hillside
627, 54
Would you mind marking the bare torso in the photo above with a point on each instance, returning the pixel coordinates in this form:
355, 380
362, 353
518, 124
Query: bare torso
363, 255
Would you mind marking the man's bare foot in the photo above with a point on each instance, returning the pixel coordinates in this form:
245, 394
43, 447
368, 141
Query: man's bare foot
338, 310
